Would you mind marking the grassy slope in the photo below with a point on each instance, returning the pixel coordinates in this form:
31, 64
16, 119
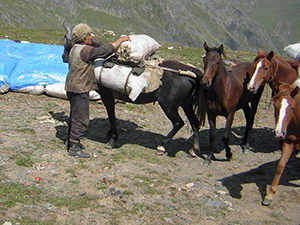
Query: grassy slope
279, 11
181, 53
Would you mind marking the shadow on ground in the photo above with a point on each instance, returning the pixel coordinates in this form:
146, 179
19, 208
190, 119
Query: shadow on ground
262, 176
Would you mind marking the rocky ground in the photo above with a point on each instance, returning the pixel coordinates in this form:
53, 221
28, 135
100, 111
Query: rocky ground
41, 184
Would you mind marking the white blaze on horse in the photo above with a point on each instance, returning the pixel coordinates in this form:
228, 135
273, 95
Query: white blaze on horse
270, 68
287, 116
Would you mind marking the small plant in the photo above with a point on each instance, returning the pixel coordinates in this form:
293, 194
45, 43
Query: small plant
24, 160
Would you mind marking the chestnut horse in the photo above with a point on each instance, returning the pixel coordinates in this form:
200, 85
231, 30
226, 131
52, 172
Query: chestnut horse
272, 69
175, 91
226, 93
287, 117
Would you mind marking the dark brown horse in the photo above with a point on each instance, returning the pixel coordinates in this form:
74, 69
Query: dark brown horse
287, 116
175, 91
226, 93
270, 68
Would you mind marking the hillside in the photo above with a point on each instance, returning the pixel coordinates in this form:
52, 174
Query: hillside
239, 24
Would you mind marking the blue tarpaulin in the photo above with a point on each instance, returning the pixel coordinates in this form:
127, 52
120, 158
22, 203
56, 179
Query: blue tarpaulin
30, 64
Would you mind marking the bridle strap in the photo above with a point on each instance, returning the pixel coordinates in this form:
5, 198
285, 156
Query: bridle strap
275, 70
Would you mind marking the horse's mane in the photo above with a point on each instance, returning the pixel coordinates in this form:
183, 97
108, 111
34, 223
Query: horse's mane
216, 49
264, 55
284, 89
294, 64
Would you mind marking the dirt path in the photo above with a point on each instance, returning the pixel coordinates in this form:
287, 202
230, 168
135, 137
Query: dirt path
131, 184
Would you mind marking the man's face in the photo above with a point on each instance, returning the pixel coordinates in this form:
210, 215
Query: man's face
88, 40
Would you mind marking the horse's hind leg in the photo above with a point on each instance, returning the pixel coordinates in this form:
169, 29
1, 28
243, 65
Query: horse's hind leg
109, 103
189, 112
249, 124
250, 120
177, 122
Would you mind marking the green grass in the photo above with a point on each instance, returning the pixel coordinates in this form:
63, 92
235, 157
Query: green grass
13, 193
26, 130
23, 159
76, 203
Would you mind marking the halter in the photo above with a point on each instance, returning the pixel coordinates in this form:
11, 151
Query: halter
275, 71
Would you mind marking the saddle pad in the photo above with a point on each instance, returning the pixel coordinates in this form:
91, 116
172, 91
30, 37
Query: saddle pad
155, 74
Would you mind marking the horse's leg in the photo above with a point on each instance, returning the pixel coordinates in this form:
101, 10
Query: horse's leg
109, 103
212, 136
249, 124
287, 150
189, 112
254, 104
225, 138
177, 122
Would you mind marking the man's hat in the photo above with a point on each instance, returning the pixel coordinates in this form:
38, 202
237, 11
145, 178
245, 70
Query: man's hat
80, 32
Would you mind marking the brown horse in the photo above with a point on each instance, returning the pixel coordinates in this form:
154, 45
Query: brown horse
226, 93
272, 69
287, 116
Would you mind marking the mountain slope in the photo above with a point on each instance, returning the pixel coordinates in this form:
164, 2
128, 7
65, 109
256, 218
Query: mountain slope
239, 24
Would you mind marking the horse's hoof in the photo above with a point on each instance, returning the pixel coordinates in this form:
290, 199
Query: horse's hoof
192, 153
110, 145
229, 156
161, 148
266, 202
159, 153
207, 162
245, 151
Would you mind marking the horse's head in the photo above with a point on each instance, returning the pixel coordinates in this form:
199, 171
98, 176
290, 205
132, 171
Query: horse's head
68, 43
284, 104
212, 60
264, 70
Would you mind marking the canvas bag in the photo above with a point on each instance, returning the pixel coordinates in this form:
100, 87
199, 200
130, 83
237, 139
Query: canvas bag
138, 48
120, 78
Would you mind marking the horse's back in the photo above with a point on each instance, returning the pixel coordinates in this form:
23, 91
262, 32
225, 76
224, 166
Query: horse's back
243, 69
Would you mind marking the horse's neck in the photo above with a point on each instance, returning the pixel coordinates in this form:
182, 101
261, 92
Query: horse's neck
283, 72
222, 79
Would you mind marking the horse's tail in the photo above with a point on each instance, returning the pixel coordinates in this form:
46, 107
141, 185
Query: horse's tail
199, 102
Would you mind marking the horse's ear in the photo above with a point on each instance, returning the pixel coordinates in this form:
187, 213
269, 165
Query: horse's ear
67, 27
221, 49
270, 56
295, 92
206, 47
260, 51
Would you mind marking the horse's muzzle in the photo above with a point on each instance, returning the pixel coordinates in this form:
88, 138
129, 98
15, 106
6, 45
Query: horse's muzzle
205, 84
280, 134
251, 89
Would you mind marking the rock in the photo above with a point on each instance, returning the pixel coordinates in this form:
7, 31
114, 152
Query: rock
7, 223
222, 192
189, 185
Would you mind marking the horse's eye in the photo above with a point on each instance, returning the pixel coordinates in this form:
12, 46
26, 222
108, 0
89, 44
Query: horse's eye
292, 108
266, 68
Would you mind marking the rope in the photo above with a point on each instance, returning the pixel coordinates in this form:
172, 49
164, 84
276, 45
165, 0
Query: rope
275, 71
181, 72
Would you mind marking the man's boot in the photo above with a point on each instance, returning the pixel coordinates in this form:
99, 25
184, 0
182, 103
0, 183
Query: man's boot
76, 150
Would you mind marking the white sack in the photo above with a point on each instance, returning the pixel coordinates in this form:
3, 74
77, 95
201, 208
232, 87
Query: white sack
58, 90
138, 48
35, 90
120, 78
293, 51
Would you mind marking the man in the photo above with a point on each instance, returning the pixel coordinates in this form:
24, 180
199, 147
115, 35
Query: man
81, 80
